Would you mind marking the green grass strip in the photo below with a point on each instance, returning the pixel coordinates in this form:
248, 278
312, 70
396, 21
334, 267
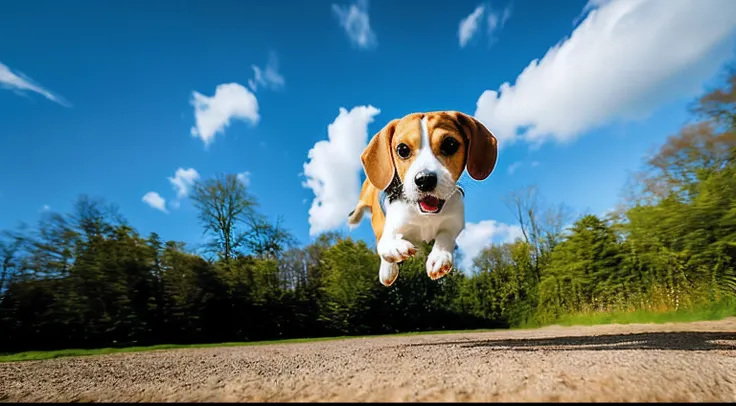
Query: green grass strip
43, 355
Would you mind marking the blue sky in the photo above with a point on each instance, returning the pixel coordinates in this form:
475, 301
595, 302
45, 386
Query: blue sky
98, 98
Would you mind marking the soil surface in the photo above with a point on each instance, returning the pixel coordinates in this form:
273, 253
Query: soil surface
681, 362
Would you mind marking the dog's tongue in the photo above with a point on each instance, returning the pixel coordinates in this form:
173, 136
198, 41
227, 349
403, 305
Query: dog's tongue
430, 204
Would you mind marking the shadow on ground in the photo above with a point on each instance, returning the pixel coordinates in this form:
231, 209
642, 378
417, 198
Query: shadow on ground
679, 341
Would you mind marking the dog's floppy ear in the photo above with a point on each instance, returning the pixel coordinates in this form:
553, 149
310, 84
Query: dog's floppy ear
378, 162
482, 151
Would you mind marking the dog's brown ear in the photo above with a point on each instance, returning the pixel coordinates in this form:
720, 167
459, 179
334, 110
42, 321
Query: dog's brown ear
482, 151
378, 162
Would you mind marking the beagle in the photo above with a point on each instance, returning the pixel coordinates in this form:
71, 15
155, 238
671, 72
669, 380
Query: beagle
412, 167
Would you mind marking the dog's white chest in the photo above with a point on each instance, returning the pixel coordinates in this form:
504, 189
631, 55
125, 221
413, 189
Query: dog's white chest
424, 228
416, 227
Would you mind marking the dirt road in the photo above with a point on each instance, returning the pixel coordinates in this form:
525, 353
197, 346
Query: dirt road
669, 362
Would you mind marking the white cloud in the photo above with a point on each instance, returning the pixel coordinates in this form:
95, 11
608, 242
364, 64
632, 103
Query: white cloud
46, 207
624, 60
469, 25
477, 236
155, 200
496, 20
183, 181
590, 5
514, 166
333, 169
268, 77
232, 101
354, 19
244, 178
19, 83
518, 164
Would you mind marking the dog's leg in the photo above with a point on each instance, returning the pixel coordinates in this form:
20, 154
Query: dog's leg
388, 272
440, 259
393, 248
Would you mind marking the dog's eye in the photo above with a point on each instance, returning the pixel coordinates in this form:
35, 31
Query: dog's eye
449, 146
403, 150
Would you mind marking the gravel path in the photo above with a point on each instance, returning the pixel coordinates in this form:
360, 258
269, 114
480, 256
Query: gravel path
668, 362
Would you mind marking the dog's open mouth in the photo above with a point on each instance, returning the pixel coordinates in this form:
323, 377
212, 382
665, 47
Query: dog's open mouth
431, 204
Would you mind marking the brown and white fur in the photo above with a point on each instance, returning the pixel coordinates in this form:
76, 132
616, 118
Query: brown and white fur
422, 199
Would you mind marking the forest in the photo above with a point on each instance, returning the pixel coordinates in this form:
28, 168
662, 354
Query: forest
88, 279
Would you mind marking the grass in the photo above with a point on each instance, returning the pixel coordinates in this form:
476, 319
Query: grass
43, 355
714, 311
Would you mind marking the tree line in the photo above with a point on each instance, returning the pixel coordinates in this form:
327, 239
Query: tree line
88, 279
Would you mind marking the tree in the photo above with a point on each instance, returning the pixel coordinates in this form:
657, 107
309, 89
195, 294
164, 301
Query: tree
541, 230
584, 269
10, 246
267, 240
224, 206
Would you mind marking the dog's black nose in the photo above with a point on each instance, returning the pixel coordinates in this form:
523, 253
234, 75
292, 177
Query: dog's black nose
426, 181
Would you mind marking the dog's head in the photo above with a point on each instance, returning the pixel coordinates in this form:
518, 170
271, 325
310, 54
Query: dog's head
428, 152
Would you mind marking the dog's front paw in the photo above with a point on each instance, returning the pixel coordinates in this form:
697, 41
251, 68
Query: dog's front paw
388, 273
439, 264
396, 250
